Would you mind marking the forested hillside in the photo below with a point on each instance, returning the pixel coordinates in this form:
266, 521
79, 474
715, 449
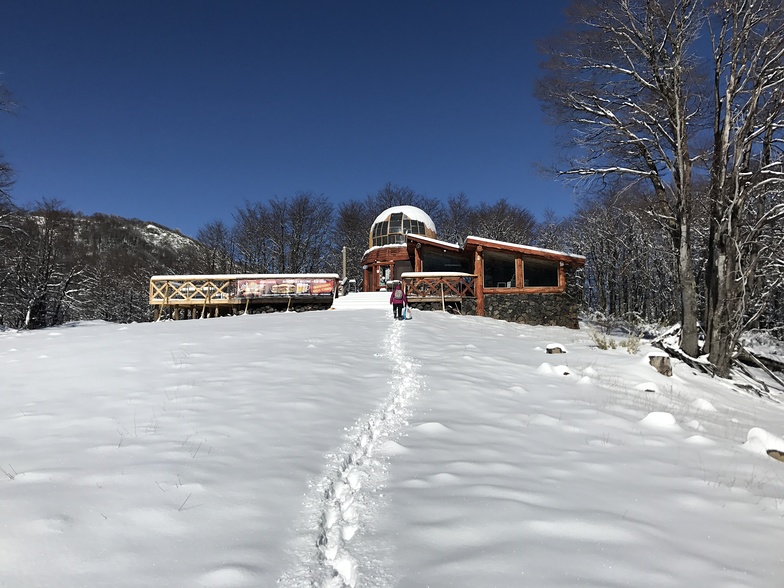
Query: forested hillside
58, 266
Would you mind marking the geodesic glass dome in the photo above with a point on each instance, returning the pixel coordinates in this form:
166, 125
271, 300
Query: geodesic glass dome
392, 225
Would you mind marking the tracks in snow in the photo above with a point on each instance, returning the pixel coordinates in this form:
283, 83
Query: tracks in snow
343, 499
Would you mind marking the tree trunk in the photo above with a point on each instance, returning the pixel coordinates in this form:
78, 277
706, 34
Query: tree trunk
689, 342
724, 301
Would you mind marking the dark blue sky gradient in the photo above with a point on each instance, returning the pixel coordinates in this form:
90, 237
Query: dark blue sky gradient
179, 111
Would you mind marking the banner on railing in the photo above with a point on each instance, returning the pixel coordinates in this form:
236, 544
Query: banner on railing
270, 287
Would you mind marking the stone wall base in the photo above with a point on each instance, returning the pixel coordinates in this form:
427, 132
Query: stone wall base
531, 309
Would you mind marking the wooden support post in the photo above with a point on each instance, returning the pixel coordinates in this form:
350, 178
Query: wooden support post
479, 271
519, 272
443, 304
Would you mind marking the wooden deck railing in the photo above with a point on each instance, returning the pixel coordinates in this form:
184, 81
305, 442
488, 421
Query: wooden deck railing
435, 285
235, 288
189, 290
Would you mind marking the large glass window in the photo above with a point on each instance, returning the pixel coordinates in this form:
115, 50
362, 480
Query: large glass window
435, 261
540, 273
499, 270
394, 230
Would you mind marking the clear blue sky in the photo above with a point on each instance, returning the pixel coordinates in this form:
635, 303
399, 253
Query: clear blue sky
178, 111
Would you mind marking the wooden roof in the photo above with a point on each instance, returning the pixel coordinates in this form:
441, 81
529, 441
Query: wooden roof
472, 243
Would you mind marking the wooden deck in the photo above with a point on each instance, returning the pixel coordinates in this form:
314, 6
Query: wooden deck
201, 296
195, 296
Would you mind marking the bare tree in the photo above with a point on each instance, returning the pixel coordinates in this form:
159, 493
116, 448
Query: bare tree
220, 248
352, 230
631, 267
627, 82
6, 178
622, 82
250, 235
503, 222
746, 172
42, 278
309, 228
285, 235
457, 218
7, 104
548, 234
393, 195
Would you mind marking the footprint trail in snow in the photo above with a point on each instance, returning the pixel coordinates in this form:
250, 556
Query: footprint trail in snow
342, 500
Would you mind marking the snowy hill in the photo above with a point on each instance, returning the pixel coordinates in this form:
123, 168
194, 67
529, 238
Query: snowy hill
342, 448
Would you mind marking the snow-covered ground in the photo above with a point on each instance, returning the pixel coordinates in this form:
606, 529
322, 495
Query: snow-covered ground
342, 448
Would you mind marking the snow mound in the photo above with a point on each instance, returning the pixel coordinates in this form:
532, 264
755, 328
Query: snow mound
545, 368
393, 448
661, 420
699, 440
433, 428
760, 441
702, 404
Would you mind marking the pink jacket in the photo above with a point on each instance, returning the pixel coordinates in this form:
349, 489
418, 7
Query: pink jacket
393, 300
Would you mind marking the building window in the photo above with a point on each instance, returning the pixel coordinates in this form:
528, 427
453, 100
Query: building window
499, 270
539, 273
394, 230
396, 223
435, 261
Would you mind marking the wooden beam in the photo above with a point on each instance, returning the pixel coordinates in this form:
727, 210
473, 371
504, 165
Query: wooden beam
479, 286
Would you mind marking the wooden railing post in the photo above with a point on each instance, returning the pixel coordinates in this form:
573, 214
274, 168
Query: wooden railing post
479, 272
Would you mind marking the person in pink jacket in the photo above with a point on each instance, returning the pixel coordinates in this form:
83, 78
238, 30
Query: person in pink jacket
398, 300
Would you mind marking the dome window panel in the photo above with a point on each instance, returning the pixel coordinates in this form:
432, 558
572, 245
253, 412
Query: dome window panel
396, 223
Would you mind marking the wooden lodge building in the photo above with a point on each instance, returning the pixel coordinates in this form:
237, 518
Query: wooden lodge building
480, 276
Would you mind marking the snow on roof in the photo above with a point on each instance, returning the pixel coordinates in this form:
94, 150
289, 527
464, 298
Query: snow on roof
246, 277
399, 245
435, 275
505, 244
411, 212
433, 241
528, 247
